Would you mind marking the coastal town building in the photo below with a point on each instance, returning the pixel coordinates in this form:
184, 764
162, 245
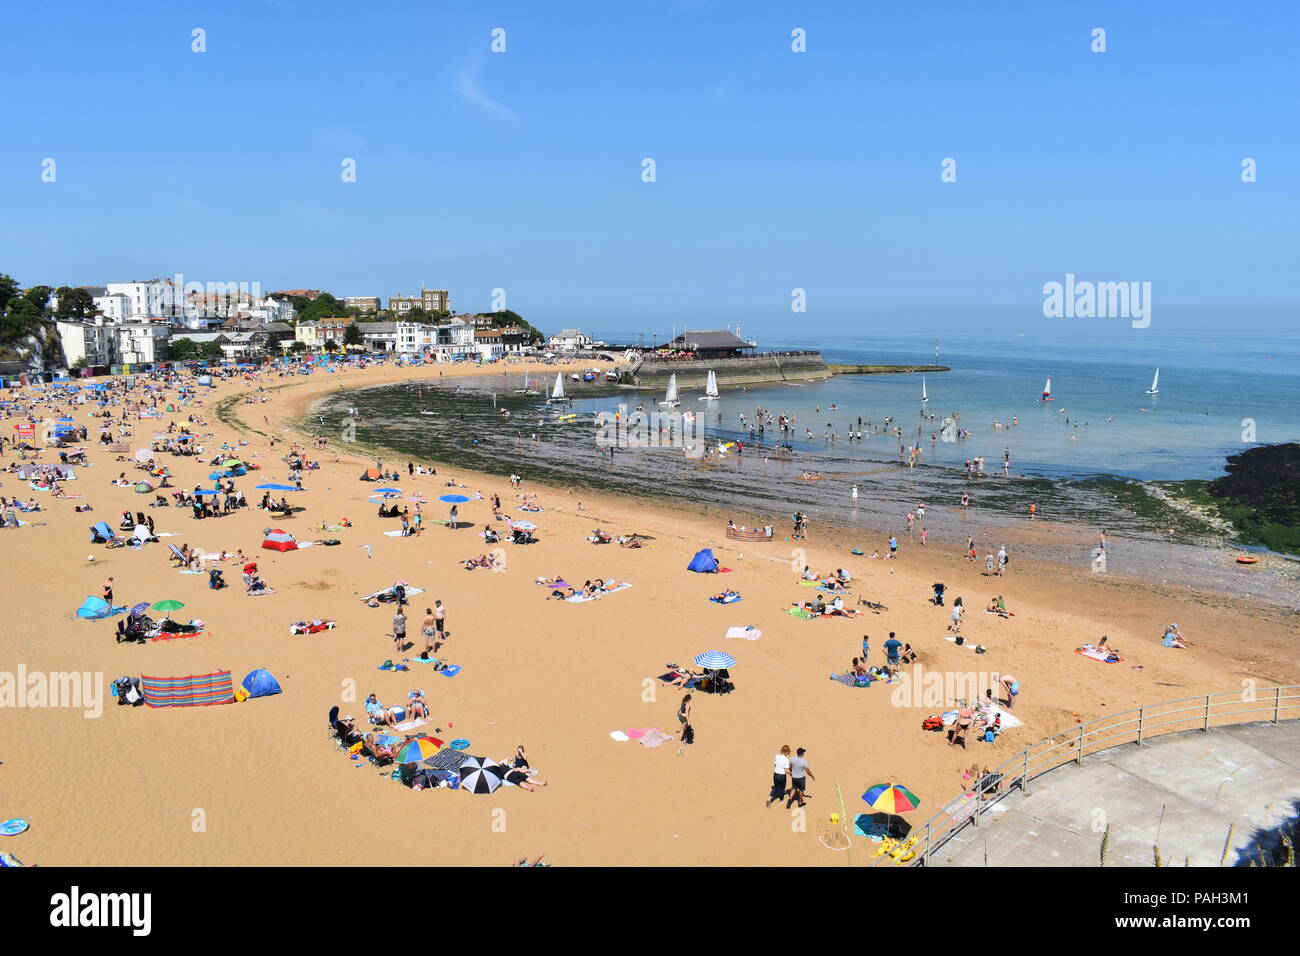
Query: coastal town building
713, 343
88, 343
366, 303
569, 340
430, 300
142, 343
489, 344
315, 333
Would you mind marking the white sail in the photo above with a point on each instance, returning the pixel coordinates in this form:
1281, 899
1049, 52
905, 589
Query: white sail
670, 397
1047, 389
711, 388
558, 391
924, 396
525, 380
1155, 384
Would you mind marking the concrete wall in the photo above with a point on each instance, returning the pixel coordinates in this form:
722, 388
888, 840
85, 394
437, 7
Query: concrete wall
693, 373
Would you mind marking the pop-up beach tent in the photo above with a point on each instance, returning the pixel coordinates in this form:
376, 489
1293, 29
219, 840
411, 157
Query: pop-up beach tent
277, 540
101, 533
704, 562
261, 683
96, 609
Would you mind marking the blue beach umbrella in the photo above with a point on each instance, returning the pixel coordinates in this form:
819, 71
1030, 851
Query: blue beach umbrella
206, 491
453, 499
275, 487
388, 491
715, 660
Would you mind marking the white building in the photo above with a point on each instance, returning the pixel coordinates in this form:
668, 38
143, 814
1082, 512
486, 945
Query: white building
141, 343
569, 340
402, 338
88, 343
150, 298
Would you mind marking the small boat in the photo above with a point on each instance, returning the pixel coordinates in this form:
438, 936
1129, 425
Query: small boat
711, 389
526, 390
1047, 391
422, 412
1155, 384
924, 395
670, 397
557, 393
1247, 559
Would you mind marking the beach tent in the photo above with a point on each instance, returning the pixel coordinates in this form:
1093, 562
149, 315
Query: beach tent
372, 474
277, 540
101, 533
704, 562
260, 683
96, 609
143, 488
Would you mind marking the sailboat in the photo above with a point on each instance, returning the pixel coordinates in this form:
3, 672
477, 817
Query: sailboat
924, 396
526, 390
557, 393
711, 389
1155, 383
670, 397
1047, 391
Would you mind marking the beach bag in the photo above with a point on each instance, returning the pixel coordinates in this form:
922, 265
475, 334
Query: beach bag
132, 695
960, 639
933, 722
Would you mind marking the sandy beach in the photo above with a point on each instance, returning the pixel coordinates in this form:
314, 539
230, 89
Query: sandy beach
260, 782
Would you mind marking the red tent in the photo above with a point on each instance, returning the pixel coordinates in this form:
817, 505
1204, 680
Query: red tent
277, 540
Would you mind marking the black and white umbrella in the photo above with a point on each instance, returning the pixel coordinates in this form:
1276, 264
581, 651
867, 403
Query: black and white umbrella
480, 775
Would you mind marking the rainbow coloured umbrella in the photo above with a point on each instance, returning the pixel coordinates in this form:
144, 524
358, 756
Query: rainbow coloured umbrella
413, 751
891, 798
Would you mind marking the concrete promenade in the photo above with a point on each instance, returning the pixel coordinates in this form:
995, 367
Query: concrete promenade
1188, 787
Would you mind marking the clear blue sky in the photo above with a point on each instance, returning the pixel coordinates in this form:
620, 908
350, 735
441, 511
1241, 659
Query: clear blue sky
776, 170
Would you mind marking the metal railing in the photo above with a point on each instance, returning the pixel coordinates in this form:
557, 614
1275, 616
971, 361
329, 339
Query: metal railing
1202, 712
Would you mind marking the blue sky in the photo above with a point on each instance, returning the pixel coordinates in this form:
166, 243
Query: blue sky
775, 170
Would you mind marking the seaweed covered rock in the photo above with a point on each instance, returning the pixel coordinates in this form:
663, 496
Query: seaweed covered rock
1262, 492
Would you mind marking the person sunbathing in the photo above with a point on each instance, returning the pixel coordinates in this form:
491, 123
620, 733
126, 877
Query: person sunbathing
833, 584
522, 780
601, 537
681, 676
630, 541
1173, 639
726, 597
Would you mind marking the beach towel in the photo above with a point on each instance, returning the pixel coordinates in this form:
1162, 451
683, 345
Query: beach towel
580, 598
173, 635
830, 591
801, 613
851, 680
874, 830
749, 632
654, 737
1106, 657
1009, 720
451, 670
198, 690
261, 592
619, 736
446, 759
727, 600
388, 593
310, 627
408, 725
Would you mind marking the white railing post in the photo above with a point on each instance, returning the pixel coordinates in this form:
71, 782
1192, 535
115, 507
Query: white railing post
1206, 727
1277, 704
1141, 725
1024, 773
1078, 757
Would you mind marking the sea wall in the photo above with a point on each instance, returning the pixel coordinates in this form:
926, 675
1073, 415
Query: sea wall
755, 370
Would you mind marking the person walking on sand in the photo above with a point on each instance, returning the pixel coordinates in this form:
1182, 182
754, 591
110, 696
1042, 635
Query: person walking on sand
399, 629
780, 769
1002, 560
800, 774
429, 629
440, 624
453, 516
684, 718
106, 590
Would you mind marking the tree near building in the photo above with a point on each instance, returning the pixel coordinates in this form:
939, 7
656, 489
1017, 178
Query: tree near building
352, 335
74, 303
298, 347
331, 345
183, 350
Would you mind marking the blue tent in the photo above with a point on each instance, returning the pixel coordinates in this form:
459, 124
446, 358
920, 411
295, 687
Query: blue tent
101, 533
260, 683
96, 609
704, 562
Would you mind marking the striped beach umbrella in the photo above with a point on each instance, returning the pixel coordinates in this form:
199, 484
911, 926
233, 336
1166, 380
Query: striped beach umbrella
480, 775
526, 525
715, 660
417, 749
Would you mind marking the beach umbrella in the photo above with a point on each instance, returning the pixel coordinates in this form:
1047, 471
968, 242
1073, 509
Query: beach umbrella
144, 454
274, 487
417, 749
715, 660
480, 775
168, 605
453, 499
206, 491
232, 462
388, 491
139, 608
526, 525
891, 798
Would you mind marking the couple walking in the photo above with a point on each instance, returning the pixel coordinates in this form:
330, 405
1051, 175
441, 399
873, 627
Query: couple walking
796, 768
